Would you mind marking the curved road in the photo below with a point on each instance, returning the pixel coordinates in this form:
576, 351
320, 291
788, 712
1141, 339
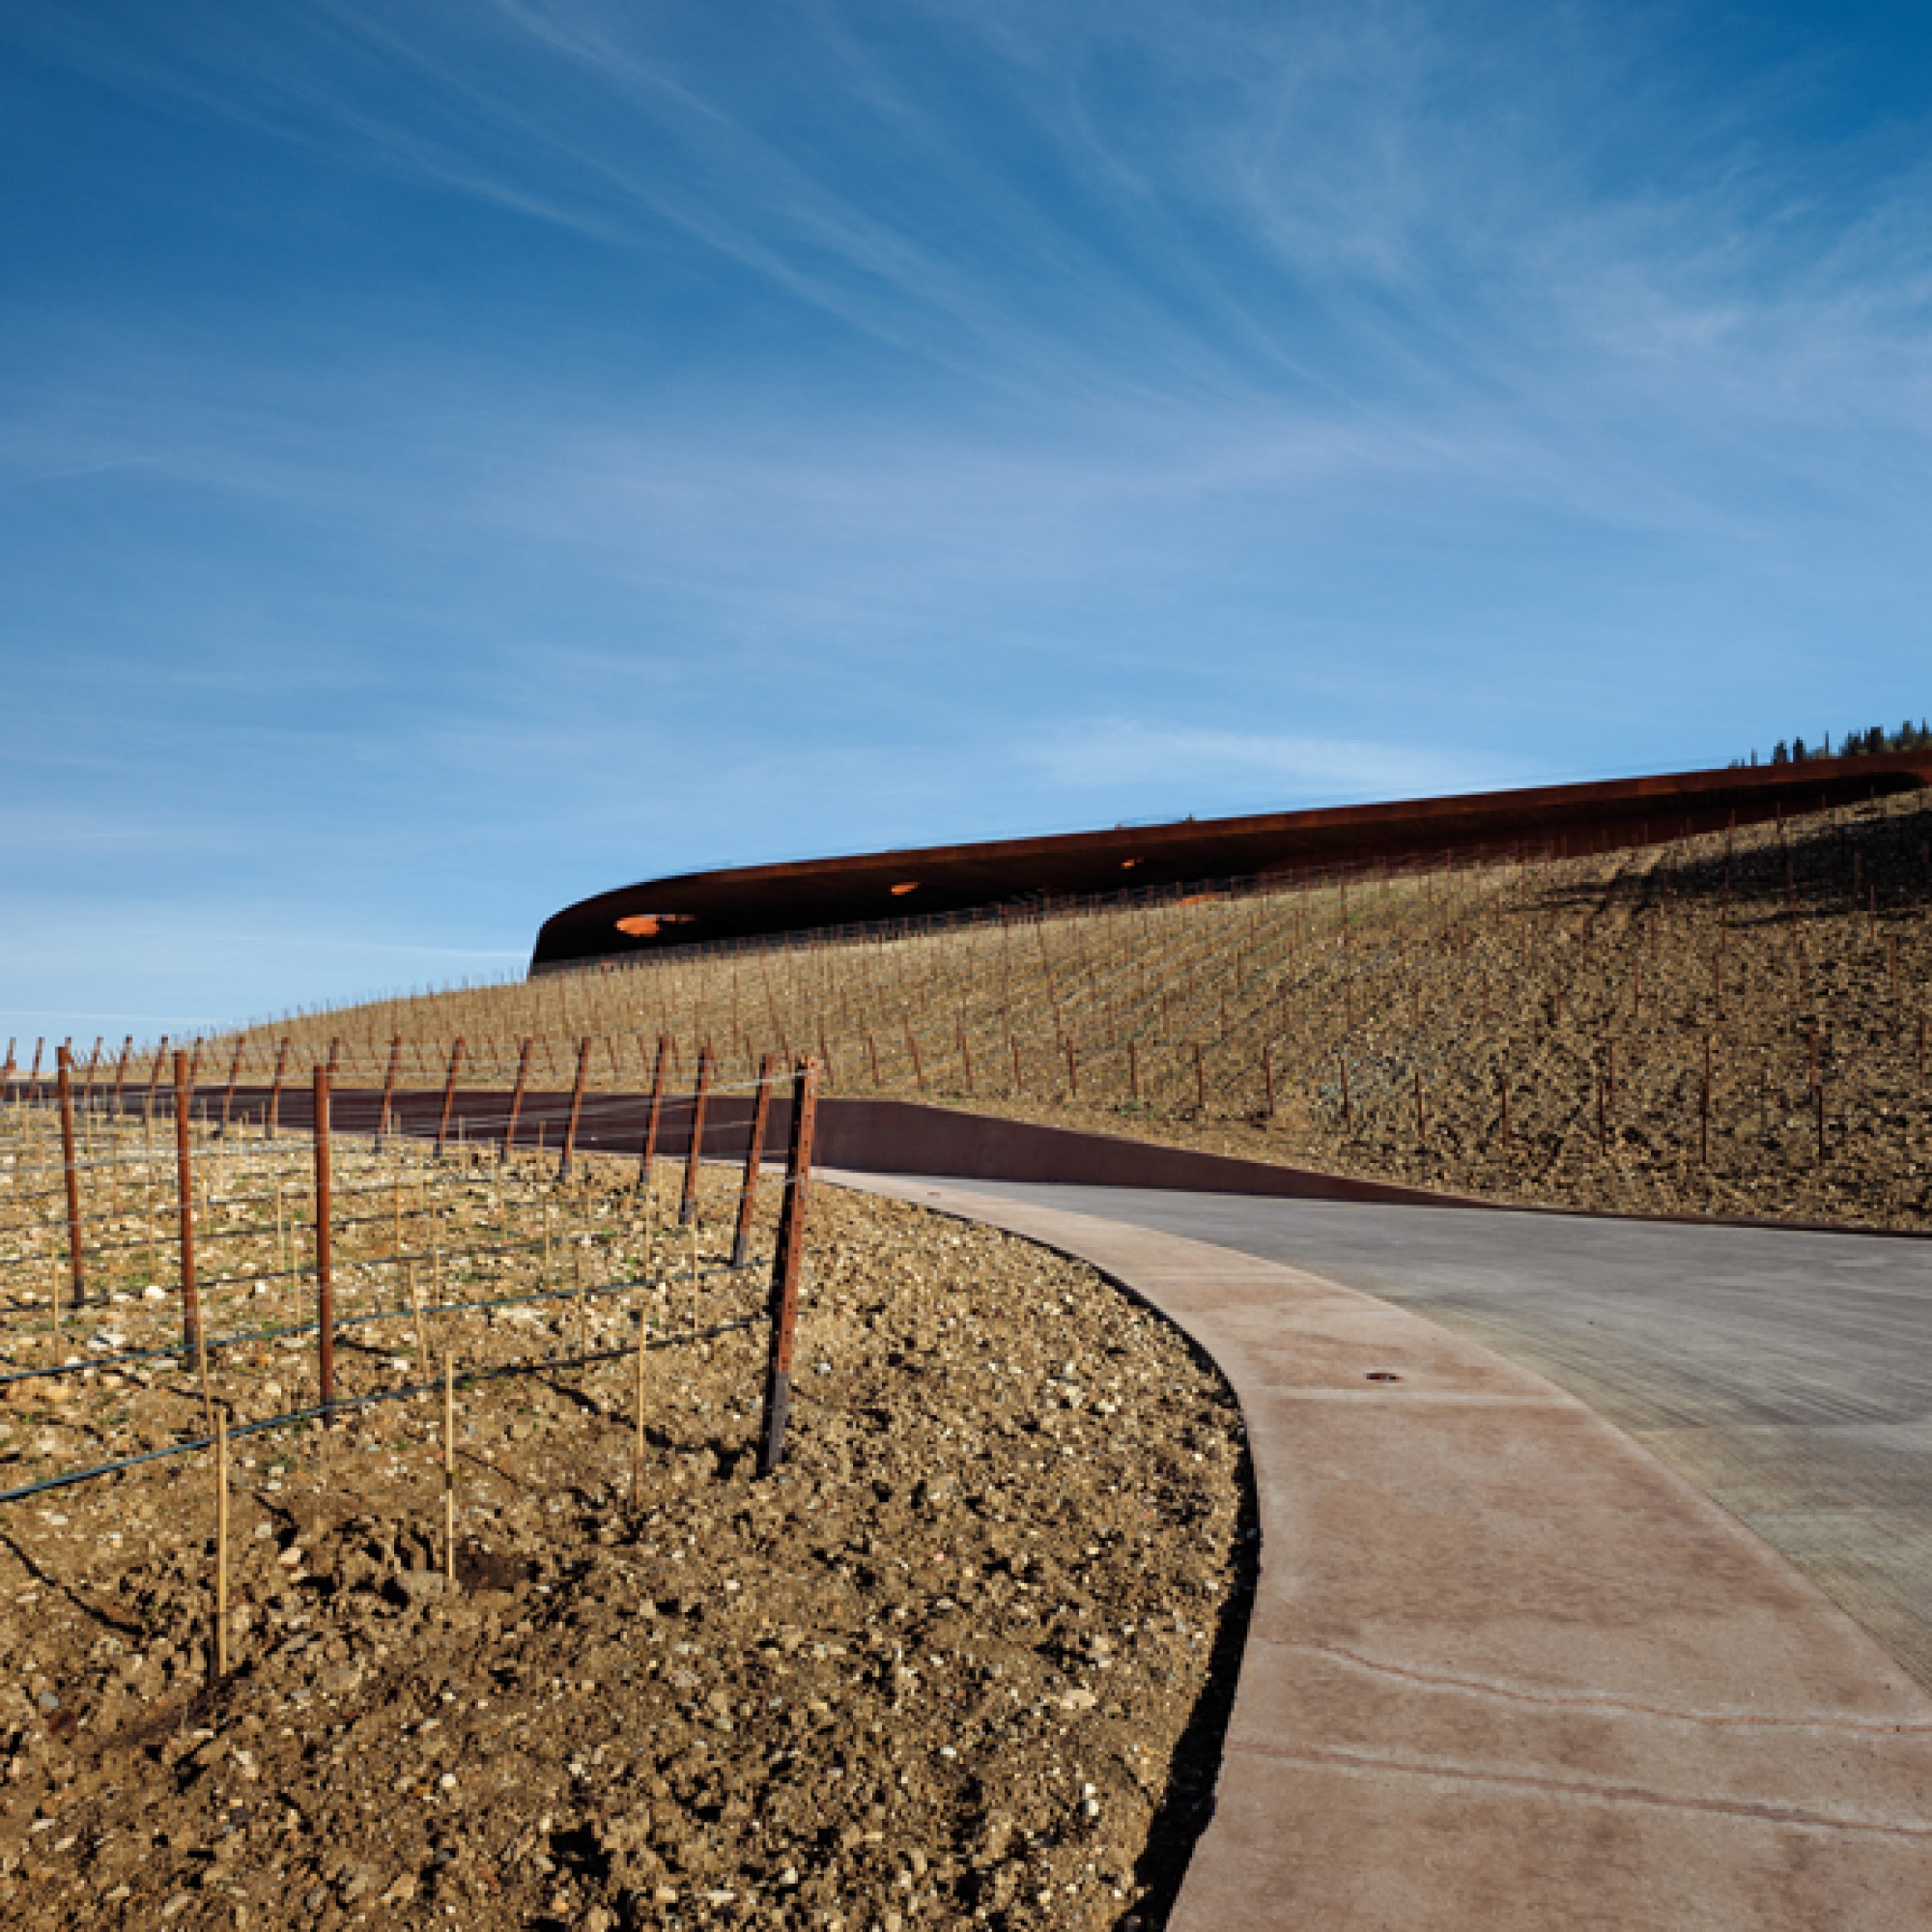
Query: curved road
1788, 1375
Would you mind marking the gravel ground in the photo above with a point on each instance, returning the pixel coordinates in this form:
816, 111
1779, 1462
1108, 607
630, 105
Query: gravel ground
966, 1663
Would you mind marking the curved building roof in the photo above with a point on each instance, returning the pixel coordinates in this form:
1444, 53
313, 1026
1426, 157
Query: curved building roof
880, 888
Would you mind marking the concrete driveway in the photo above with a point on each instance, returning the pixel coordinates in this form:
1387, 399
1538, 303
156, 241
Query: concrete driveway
1787, 1375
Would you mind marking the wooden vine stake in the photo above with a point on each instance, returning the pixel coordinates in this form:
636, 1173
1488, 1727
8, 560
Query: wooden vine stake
325, 1257
450, 1470
416, 1311
191, 1330
76, 1262
220, 1542
786, 1260
638, 1390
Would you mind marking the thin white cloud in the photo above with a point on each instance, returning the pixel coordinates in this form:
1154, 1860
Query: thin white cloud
1296, 769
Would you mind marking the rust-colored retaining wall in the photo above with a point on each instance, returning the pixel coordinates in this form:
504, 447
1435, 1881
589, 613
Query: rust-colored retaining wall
865, 1136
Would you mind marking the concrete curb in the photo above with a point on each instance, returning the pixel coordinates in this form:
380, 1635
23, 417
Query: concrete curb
1504, 1669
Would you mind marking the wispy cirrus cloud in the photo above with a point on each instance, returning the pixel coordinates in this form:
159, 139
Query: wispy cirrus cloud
456, 455
1235, 771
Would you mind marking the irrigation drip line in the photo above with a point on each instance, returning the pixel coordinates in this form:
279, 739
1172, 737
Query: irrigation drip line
254, 1337
565, 1238
342, 1405
545, 1106
772, 1178
449, 1176
295, 1151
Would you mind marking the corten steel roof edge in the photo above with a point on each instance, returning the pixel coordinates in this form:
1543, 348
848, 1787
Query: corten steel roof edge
892, 886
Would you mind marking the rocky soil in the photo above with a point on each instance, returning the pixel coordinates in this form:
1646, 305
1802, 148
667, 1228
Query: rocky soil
964, 1663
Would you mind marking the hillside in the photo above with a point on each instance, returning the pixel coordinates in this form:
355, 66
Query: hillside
1731, 1024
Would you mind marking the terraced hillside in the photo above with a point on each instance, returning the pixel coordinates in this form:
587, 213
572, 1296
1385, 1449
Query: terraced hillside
1734, 1023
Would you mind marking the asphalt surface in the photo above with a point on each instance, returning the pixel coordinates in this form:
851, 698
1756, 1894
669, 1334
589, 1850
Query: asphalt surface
1788, 1375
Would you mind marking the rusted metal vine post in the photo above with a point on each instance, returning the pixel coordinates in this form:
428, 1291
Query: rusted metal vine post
517, 1097
76, 1260
234, 1074
449, 1094
687, 1207
748, 1188
786, 1260
576, 1108
325, 1259
390, 1086
653, 1114
275, 1090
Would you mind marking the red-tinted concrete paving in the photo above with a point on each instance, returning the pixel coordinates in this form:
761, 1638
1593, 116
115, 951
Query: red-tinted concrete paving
1505, 1670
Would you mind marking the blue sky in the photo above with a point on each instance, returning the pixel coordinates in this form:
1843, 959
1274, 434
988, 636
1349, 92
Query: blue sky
455, 458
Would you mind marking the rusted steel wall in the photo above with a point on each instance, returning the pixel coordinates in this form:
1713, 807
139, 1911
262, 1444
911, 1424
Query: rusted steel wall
892, 888
865, 1136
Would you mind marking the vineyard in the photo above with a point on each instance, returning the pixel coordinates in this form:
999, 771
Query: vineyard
388, 1537
1728, 1024
387, 1519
